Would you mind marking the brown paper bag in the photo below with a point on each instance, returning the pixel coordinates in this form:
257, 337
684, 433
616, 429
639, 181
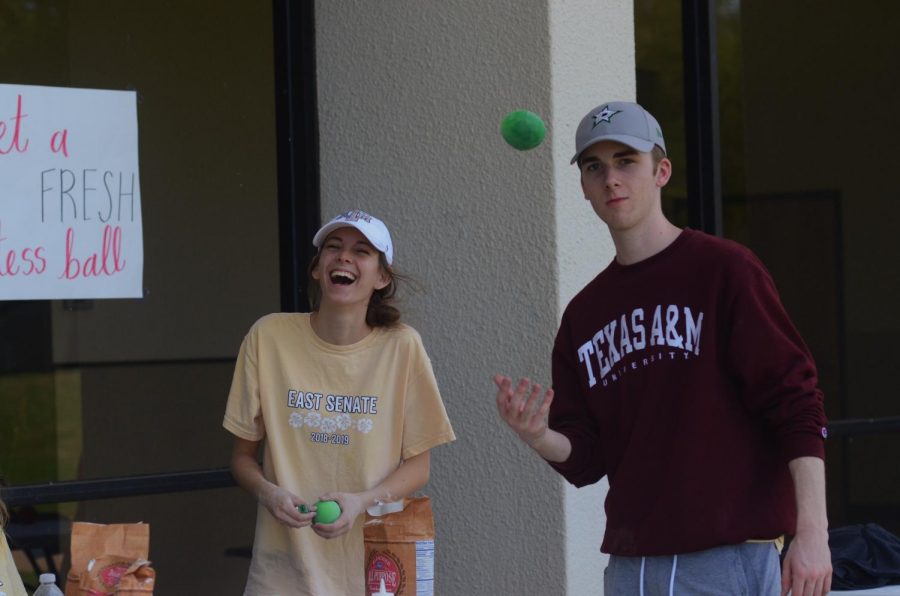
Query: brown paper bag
110, 559
400, 549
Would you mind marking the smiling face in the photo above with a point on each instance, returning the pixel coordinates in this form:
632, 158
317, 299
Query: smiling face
623, 185
348, 269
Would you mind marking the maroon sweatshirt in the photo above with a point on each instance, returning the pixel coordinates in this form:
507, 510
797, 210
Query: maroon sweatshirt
682, 380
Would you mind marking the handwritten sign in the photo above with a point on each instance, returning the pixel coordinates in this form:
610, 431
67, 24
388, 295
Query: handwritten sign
70, 200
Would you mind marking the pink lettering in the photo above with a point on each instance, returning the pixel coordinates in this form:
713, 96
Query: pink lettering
17, 131
59, 141
26, 261
108, 261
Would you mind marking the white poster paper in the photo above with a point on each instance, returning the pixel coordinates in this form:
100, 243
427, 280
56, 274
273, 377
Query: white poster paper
70, 200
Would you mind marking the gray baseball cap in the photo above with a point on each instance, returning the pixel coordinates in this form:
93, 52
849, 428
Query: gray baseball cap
621, 121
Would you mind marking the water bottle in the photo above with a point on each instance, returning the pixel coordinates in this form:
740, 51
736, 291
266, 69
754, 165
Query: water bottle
48, 586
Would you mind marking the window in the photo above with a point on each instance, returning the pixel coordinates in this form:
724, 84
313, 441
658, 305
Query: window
805, 126
113, 389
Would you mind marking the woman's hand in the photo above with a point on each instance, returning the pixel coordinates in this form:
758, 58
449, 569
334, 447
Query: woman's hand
411, 475
352, 505
282, 504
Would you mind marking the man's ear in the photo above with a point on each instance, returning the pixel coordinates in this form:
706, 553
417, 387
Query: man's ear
663, 172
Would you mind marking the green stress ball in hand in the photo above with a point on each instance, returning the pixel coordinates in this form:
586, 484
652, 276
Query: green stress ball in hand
523, 129
327, 512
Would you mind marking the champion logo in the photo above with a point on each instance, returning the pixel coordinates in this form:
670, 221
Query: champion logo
824, 432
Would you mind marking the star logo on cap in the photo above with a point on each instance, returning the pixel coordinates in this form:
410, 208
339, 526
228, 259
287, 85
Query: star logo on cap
604, 115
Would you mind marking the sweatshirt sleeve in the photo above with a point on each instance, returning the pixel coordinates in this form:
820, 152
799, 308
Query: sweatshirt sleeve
569, 415
773, 366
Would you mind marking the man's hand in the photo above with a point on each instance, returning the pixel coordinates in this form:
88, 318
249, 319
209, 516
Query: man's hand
807, 566
525, 412
522, 410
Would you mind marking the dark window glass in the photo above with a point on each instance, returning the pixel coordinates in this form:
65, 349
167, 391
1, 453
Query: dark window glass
660, 89
808, 133
105, 388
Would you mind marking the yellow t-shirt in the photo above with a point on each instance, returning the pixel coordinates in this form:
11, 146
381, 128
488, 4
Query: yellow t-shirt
10, 581
333, 418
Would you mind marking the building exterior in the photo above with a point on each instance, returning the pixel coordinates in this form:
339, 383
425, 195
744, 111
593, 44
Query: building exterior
251, 134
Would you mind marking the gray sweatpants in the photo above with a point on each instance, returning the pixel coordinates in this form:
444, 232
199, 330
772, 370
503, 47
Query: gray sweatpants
748, 569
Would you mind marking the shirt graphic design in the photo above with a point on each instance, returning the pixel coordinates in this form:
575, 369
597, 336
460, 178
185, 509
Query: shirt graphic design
635, 340
344, 415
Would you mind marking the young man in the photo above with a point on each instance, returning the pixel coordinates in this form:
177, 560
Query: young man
678, 375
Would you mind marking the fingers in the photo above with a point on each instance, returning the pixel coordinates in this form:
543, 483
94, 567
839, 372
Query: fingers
293, 516
289, 515
501, 380
282, 504
786, 575
349, 510
799, 580
329, 531
811, 587
305, 519
340, 526
503, 394
528, 406
803, 588
545, 405
518, 402
523, 408
510, 402
516, 398
529, 410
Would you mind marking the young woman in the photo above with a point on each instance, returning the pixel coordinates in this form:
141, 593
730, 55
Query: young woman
10, 581
345, 400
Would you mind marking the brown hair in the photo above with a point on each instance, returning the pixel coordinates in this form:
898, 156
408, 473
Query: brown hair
4, 514
381, 311
657, 155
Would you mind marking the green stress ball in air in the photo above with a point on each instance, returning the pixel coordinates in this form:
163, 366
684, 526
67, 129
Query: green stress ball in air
327, 512
523, 129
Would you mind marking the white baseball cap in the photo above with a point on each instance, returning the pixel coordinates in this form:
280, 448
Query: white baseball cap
622, 121
370, 226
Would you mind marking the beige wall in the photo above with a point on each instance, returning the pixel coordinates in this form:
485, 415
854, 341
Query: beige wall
592, 61
410, 99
